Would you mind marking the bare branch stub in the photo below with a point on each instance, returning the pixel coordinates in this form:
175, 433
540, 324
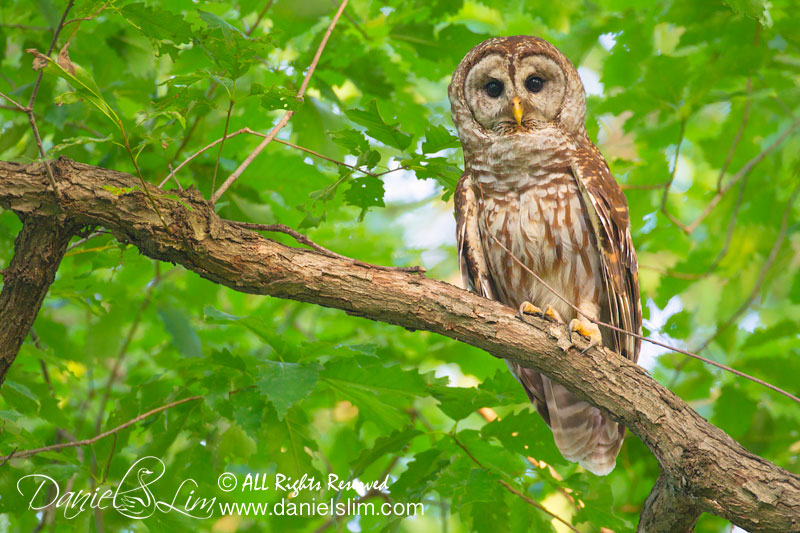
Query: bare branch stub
713, 472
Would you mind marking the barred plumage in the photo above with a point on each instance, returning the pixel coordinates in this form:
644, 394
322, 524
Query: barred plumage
535, 181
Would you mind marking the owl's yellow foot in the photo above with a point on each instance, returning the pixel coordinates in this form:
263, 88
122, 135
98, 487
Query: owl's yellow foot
527, 308
552, 313
588, 330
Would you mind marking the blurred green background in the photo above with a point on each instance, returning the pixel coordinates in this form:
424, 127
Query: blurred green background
702, 94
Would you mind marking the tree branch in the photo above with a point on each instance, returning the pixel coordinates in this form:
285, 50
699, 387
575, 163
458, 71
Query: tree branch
38, 250
702, 465
666, 510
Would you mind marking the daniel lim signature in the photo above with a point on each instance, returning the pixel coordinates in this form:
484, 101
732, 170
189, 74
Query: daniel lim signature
133, 497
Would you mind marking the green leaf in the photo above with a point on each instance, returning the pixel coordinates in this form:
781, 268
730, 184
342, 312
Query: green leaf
226, 358
280, 98
734, 410
285, 384
81, 80
180, 329
755, 9
289, 443
77, 141
157, 24
20, 397
381, 393
438, 138
377, 128
524, 433
229, 47
365, 192
480, 487
781, 330
214, 22
351, 140
393, 442
420, 475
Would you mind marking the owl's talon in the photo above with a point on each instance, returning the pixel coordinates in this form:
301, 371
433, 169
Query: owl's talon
553, 314
527, 308
588, 330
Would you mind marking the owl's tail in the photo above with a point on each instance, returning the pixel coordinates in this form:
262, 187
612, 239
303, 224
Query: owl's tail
582, 433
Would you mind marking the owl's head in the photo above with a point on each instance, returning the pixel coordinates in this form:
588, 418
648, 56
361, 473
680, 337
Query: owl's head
516, 85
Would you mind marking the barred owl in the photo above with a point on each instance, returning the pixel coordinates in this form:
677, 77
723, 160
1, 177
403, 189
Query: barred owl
535, 182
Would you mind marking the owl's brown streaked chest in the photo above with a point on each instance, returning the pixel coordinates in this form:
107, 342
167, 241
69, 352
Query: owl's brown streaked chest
541, 220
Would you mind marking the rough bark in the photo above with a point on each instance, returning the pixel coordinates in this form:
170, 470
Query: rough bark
38, 250
667, 510
702, 467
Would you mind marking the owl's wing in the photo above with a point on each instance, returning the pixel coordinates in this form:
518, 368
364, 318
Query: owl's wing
472, 263
608, 211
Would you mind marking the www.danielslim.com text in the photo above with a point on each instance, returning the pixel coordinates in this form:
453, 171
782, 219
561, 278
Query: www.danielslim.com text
351, 507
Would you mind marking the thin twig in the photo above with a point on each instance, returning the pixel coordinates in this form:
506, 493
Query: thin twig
674, 166
729, 233
261, 14
29, 110
773, 254
334, 161
85, 239
37, 342
302, 239
110, 456
87, 442
90, 17
512, 490
24, 27
536, 504
141, 176
50, 175
737, 138
8, 457
281, 141
723, 251
741, 174
201, 150
17, 105
222, 141
124, 348
175, 179
644, 186
636, 335
209, 93
285, 119
355, 24
49, 51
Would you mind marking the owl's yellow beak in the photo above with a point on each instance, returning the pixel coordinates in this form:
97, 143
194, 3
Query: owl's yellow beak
517, 106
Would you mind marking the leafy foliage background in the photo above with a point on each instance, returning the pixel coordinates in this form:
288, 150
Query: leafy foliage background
296, 389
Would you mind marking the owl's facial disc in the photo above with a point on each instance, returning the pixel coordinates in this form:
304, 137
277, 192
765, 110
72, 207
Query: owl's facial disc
514, 94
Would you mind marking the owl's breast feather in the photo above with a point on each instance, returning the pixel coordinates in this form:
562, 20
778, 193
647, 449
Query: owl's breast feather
544, 225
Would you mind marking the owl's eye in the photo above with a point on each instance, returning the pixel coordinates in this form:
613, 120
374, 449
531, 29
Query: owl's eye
494, 88
534, 84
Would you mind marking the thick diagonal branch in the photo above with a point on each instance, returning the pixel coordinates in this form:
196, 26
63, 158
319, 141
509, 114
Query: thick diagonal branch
38, 251
699, 462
